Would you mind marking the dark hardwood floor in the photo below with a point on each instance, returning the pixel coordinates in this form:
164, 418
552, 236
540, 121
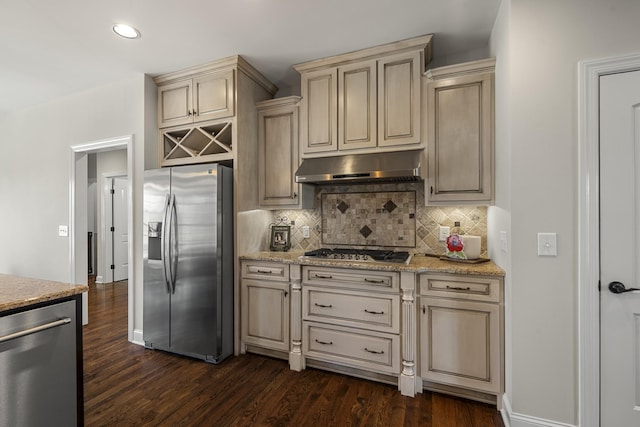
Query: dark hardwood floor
127, 385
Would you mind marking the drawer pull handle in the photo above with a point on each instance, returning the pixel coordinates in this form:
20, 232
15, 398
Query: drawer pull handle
322, 305
320, 276
373, 351
324, 342
373, 281
265, 271
373, 312
456, 288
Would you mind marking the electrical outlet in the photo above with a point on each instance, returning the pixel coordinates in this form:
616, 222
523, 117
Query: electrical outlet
443, 233
63, 230
503, 241
305, 231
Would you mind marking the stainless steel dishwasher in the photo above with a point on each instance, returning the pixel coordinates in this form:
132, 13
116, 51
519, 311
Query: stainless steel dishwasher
38, 367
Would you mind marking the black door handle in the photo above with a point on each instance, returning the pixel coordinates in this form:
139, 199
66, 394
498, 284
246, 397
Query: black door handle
619, 288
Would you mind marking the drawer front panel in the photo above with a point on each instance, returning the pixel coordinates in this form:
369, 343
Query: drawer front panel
372, 351
462, 287
384, 281
347, 308
265, 270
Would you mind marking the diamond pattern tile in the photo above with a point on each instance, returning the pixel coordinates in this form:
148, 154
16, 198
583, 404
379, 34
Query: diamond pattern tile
366, 206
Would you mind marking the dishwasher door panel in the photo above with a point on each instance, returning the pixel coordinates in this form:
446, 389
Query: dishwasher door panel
38, 371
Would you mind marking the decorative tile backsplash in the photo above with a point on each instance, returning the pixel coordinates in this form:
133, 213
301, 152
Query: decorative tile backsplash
422, 228
369, 219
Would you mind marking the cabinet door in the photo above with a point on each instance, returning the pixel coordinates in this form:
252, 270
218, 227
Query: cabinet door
460, 343
174, 104
278, 156
399, 99
265, 314
319, 128
460, 139
357, 105
214, 96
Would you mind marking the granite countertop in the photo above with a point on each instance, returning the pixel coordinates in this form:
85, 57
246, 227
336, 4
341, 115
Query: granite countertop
418, 264
19, 292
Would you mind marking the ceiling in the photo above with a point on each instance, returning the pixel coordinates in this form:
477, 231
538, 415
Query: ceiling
50, 49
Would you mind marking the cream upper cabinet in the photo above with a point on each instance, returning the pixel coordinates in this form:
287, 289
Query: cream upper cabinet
399, 101
207, 113
278, 155
210, 96
357, 106
460, 121
365, 100
320, 93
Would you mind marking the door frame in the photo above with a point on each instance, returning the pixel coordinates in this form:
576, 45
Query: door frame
103, 221
78, 210
589, 73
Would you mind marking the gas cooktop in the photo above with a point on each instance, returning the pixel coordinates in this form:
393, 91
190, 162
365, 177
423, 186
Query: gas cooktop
363, 255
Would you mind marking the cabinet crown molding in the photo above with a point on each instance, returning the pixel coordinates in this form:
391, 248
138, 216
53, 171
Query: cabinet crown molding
421, 42
231, 62
487, 65
279, 102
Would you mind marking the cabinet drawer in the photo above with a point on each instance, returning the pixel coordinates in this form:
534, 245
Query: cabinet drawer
367, 350
478, 288
376, 312
371, 280
265, 270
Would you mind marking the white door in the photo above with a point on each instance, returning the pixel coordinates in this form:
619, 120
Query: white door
120, 233
620, 249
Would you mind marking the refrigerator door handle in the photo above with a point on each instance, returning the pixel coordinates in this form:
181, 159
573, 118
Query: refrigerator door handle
165, 234
173, 244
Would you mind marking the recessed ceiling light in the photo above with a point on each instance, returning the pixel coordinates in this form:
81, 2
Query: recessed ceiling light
126, 31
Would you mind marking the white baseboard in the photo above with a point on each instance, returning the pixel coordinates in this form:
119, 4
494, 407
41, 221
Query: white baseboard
138, 337
512, 419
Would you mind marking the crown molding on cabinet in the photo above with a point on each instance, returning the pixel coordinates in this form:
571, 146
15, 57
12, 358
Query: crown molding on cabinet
233, 62
487, 65
370, 53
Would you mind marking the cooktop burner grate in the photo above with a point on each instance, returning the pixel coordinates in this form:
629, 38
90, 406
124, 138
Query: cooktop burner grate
359, 255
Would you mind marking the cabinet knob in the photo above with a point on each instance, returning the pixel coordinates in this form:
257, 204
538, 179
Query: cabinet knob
294, 195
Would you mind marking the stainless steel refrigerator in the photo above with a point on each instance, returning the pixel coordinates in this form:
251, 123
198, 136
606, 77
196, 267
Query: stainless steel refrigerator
188, 261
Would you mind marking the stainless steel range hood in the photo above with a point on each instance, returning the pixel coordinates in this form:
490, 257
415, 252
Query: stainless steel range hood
392, 166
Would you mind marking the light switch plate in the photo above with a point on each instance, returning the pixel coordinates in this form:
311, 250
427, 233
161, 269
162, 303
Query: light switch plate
305, 231
547, 244
63, 230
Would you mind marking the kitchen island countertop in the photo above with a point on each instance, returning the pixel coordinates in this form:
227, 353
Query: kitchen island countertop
418, 264
17, 292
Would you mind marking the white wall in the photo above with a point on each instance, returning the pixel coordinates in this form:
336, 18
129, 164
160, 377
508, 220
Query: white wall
536, 128
34, 174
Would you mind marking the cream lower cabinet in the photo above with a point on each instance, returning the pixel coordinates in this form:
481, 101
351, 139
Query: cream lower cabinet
461, 332
352, 318
265, 305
